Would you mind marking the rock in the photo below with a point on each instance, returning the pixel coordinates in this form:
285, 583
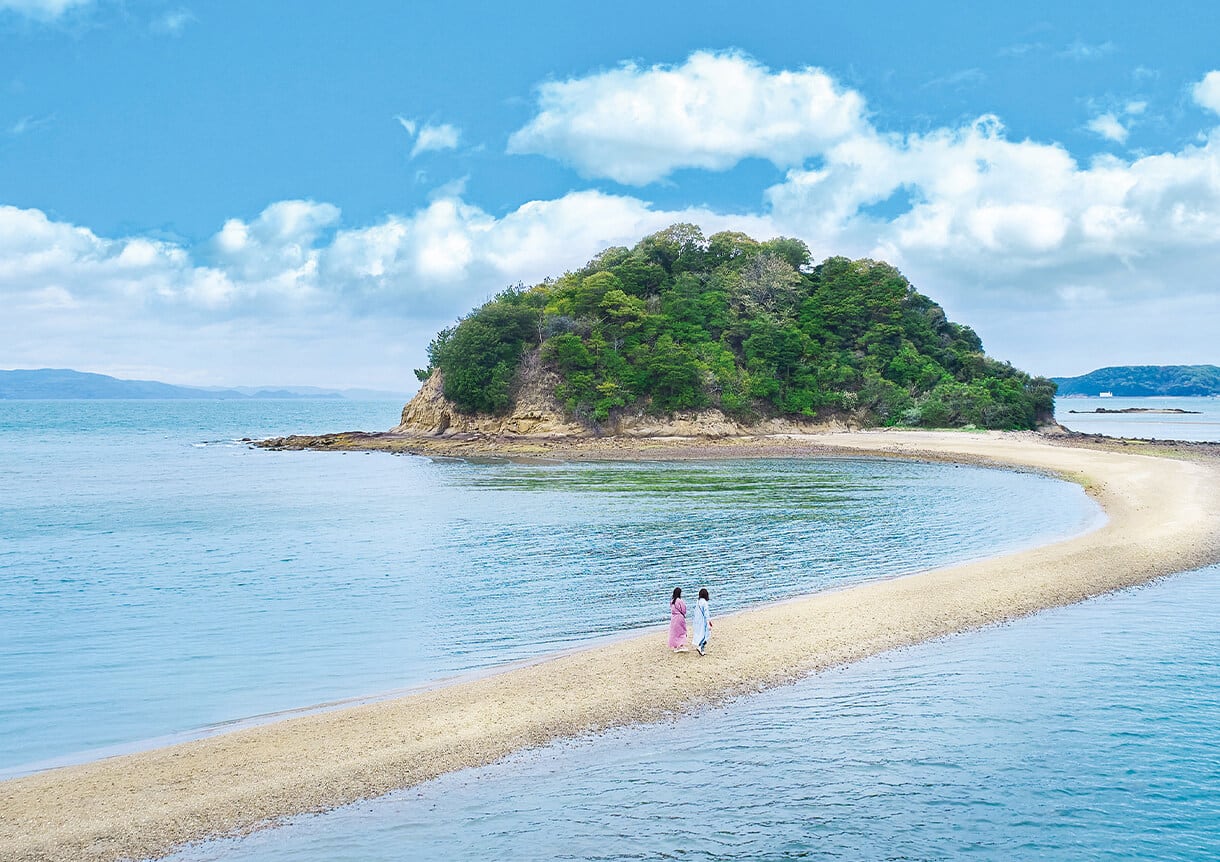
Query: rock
537, 413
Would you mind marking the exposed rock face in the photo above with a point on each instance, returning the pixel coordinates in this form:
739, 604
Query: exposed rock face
536, 413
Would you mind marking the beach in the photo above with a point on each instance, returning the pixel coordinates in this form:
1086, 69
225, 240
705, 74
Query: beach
1162, 514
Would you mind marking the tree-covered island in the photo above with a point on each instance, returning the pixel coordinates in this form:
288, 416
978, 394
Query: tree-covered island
686, 322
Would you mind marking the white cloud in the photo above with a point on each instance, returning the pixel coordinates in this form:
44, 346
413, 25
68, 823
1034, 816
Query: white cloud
29, 124
431, 138
173, 22
1109, 127
275, 255
1080, 50
989, 226
41, 9
442, 137
293, 284
636, 125
1207, 92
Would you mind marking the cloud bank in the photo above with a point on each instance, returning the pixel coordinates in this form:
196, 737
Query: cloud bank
1041, 253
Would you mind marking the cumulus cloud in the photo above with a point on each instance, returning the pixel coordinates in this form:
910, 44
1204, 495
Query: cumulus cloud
991, 204
636, 125
430, 137
291, 288
1016, 237
1207, 92
442, 137
1109, 127
41, 9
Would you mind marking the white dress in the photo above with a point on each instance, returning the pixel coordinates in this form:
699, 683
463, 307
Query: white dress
702, 625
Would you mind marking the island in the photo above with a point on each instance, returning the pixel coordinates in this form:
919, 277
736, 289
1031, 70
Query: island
1160, 411
679, 348
1144, 381
66, 384
720, 336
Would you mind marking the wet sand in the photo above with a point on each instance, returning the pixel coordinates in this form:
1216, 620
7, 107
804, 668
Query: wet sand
1163, 517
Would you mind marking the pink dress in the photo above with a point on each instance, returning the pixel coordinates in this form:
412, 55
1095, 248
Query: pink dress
677, 624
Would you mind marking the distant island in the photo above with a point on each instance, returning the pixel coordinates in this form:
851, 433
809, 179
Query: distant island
1142, 381
1165, 411
66, 384
691, 333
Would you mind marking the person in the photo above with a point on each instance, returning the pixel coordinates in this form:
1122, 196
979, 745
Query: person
677, 622
702, 629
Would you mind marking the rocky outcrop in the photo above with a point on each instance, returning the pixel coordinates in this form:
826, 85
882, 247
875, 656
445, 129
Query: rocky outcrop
537, 413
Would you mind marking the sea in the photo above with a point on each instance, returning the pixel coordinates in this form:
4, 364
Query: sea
1200, 421
160, 579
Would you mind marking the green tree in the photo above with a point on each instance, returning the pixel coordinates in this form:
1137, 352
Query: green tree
682, 321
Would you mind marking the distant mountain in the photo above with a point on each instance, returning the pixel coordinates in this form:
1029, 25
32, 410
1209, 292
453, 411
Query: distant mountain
1140, 381
64, 383
318, 392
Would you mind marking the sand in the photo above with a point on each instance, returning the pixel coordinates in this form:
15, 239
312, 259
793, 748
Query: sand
1163, 515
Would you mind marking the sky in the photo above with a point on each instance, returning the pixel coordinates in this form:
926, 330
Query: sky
305, 193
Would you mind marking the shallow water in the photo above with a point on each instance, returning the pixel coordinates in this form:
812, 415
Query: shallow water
1201, 424
157, 577
1086, 732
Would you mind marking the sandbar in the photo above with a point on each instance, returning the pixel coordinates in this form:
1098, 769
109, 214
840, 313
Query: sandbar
1163, 515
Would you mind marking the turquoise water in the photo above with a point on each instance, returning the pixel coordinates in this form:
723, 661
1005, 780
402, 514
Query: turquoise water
158, 577
1202, 423
1087, 732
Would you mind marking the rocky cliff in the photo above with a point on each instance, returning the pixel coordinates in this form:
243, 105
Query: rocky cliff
537, 413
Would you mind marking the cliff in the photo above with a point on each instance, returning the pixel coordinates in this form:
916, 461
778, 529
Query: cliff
536, 412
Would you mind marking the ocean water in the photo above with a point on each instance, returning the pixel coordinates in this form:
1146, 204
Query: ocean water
1086, 732
159, 578
1201, 424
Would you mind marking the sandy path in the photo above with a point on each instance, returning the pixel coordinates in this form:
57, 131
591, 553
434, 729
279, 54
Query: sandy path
1163, 517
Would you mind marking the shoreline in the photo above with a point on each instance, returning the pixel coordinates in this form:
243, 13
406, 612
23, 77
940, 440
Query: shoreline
1162, 517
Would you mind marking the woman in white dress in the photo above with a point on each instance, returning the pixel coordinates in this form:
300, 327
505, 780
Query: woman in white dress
702, 628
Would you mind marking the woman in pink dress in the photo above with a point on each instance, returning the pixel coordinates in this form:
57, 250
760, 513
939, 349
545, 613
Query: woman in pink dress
677, 622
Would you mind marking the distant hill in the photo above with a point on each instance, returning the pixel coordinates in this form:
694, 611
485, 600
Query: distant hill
64, 383
1139, 381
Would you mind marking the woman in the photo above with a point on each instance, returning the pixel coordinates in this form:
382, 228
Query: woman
703, 622
677, 622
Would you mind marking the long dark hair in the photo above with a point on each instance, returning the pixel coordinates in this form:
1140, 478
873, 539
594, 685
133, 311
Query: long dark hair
677, 595
703, 594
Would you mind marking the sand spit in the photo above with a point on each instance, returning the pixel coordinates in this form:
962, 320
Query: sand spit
1164, 516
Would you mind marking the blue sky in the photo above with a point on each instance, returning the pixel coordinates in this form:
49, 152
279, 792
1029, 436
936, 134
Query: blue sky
231, 193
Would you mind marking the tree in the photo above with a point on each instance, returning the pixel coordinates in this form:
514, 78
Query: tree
681, 322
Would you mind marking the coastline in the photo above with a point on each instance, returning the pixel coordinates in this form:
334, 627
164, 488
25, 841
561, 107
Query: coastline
1162, 517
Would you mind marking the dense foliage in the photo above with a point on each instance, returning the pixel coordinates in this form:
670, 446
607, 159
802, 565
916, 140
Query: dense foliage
684, 322
1138, 381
